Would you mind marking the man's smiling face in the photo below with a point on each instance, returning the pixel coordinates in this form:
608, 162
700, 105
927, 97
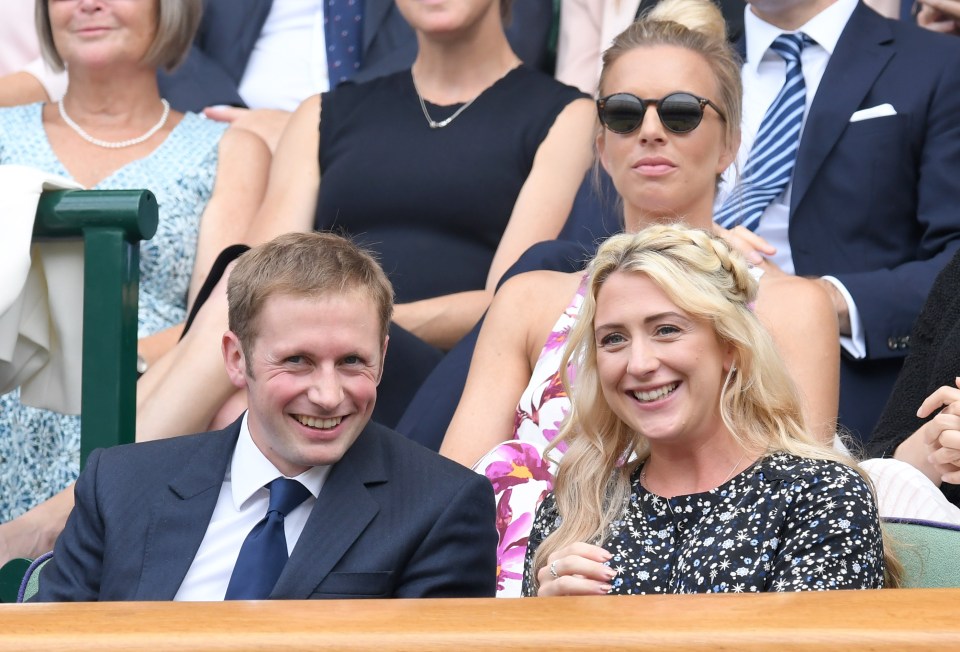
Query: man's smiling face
313, 373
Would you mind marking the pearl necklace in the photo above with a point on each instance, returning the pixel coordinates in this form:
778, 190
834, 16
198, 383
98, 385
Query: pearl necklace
115, 144
430, 121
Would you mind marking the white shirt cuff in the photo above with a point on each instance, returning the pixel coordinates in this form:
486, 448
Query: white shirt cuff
856, 343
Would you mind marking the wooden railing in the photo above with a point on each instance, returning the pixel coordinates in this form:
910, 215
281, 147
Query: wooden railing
906, 619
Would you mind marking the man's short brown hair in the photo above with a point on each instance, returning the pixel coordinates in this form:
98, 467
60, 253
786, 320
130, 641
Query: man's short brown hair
309, 265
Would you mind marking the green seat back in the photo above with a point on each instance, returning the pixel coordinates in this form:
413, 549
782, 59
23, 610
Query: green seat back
929, 552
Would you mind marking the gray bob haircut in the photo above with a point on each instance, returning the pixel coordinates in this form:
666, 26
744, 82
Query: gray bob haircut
177, 22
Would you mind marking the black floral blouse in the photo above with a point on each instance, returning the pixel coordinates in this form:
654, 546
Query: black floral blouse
786, 523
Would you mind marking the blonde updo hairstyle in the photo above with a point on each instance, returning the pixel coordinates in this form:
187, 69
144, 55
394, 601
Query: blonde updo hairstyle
759, 403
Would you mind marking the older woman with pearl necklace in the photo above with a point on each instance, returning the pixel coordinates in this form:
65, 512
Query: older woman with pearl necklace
112, 130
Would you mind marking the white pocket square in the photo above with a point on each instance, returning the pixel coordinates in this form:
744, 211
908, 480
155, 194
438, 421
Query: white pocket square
878, 111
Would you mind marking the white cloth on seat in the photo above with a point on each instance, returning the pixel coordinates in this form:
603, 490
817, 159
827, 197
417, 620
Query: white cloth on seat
41, 334
903, 491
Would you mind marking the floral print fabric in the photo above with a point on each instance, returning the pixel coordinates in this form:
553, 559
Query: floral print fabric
520, 474
785, 524
40, 449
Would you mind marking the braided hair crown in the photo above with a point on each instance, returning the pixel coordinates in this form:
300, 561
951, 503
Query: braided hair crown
682, 260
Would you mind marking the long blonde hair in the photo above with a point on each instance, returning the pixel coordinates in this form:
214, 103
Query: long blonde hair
759, 403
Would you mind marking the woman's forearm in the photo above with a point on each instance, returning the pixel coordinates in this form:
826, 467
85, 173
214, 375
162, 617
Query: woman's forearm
442, 321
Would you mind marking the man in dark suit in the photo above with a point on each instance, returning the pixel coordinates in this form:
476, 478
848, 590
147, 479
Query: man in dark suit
871, 203
229, 32
376, 515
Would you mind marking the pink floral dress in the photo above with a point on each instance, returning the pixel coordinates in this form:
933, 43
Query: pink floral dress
520, 474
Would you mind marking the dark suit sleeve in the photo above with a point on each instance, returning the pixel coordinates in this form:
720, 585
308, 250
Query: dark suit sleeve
200, 81
458, 556
221, 50
889, 300
73, 574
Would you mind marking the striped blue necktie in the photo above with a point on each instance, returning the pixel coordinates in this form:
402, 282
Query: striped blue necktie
774, 152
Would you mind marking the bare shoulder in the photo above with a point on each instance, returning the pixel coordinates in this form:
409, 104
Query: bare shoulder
576, 122
540, 290
309, 109
531, 303
784, 300
580, 109
239, 142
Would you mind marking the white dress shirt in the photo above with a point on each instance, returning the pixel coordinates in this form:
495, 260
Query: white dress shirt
243, 503
289, 60
763, 75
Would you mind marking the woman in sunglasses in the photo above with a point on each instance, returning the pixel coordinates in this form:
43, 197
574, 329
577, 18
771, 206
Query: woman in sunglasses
689, 468
670, 108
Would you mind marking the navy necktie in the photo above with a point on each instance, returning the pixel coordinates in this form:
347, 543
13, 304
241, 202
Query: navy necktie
774, 152
343, 31
264, 551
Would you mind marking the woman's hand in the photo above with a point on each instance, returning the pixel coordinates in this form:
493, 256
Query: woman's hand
942, 432
577, 569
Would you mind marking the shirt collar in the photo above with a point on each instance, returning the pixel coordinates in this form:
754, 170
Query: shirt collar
250, 470
824, 28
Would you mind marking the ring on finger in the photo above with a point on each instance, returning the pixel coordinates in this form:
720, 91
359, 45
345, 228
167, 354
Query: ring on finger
553, 570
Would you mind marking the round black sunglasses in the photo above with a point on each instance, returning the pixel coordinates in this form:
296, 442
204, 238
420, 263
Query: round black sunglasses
679, 112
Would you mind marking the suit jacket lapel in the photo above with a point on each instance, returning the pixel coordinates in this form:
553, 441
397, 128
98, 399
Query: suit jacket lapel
342, 512
180, 516
859, 58
374, 12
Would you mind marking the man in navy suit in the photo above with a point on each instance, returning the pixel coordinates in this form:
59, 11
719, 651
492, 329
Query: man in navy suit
872, 202
380, 517
228, 36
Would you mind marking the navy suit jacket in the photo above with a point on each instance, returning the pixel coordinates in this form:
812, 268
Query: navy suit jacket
392, 520
874, 202
229, 29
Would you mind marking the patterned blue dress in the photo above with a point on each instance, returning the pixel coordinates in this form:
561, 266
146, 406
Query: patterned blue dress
786, 523
39, 449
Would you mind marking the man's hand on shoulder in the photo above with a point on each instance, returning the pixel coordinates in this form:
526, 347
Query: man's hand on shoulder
940, 16
268, 124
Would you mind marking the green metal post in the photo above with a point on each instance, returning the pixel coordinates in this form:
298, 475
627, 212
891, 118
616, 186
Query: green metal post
111, 223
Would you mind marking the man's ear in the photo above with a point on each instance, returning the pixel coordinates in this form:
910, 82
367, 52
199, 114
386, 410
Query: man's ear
234, 360
383, 358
